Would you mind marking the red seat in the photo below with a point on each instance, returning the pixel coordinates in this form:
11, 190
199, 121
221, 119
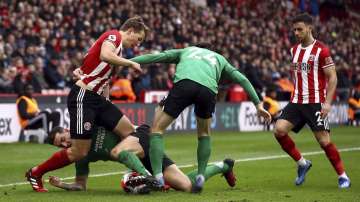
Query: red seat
236, 93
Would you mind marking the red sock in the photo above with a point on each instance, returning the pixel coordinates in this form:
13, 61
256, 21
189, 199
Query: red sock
288, 146
57, 160
334, 157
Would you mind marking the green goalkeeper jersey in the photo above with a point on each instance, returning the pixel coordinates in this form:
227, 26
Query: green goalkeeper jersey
101, 145
200, 65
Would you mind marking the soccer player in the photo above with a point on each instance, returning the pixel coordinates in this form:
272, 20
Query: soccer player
87, 99
196, 80
104, 143
315, 81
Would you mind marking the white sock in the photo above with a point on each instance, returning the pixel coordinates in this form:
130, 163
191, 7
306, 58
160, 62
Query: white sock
200, 176
301, 162
160, 178
148, 172
344, 176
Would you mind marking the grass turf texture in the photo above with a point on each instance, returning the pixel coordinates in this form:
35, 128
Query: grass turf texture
258, 180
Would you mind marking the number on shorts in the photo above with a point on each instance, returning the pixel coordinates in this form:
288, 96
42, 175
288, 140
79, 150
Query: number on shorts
320, 121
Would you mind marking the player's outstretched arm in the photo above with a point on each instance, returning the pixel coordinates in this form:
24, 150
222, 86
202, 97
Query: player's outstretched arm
78, 185
169, 56
108, 55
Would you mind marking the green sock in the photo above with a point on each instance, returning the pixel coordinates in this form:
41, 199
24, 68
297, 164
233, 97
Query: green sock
133, 162
210, 171
203, 153
156, 152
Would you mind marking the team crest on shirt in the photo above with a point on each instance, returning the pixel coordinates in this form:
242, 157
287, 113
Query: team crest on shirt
311, 57
328, 60
87, 125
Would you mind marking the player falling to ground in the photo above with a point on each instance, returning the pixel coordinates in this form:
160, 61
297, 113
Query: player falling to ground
198, 72
315, 81
87, 99
138, 143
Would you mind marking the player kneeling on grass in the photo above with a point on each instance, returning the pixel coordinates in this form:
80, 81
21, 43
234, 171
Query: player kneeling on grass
138, 143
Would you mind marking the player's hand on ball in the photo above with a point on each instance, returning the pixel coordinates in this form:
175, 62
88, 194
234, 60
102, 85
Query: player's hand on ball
263, 113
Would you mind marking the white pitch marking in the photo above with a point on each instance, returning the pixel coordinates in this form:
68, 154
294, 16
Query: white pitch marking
192, 165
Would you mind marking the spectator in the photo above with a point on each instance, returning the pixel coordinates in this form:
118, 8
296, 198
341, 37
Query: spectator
159, 81
354, 107
53, 75
285, 86
344, 82
122, 89
271, 104
6, 80
30, 116
141, 83
23, 78
38, 73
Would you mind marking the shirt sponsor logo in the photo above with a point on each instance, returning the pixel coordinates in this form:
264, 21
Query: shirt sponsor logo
99, 143
301, 67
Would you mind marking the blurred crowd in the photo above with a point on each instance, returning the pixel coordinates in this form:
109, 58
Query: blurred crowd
43, 41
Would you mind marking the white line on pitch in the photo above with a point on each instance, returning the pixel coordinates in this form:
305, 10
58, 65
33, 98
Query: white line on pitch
191, 165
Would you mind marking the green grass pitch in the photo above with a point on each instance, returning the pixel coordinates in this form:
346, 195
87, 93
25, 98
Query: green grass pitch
264, 172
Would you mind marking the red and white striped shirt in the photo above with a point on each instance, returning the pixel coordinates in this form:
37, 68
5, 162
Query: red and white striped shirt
97, 73
307, 68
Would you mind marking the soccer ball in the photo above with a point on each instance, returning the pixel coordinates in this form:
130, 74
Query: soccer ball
134, 183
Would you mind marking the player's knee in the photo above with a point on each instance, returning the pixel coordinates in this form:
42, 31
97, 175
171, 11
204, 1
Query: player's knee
324, 143
75, 154
279, 131
187, 186
81, 155
182, 185
157, 129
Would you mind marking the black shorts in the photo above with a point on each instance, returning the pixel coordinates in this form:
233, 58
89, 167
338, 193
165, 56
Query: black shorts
144, 140
301, 114
187, 92
87, 109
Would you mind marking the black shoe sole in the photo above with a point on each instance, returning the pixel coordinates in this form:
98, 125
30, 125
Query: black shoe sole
153, 184
196, 189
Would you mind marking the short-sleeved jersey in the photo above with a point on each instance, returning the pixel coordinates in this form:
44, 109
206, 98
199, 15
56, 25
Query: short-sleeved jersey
197, 64
96, 72
307, 68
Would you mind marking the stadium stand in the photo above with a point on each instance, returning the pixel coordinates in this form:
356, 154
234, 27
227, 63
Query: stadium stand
42, 41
